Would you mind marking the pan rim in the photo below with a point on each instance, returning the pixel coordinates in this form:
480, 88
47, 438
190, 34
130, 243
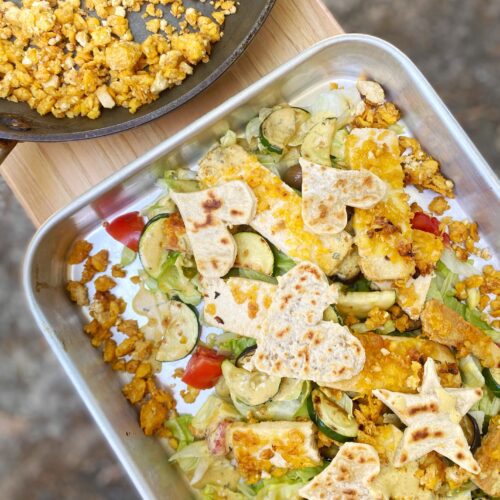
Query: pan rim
157, 113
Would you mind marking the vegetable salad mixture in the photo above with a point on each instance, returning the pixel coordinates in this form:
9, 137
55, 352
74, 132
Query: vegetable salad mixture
350, 338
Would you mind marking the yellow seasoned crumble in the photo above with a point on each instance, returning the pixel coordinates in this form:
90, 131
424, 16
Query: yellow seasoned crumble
60, 59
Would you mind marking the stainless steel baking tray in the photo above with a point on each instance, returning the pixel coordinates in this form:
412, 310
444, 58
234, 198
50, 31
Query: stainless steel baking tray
342, 58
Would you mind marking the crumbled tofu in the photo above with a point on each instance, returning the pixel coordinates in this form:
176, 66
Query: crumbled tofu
60, 59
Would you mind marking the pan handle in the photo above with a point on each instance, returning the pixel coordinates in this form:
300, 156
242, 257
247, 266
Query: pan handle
6, 147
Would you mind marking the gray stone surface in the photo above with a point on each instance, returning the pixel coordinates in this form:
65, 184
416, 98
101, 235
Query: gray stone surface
49, 447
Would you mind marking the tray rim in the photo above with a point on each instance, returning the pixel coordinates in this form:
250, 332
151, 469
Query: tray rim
29, 283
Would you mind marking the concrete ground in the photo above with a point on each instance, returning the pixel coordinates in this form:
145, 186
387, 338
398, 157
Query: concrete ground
49, 447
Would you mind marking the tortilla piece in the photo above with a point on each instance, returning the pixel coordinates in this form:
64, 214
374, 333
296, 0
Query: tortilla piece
488, 458
237, 305
326, 192
433, 420
206, 215
349, 476
279, 214
267, 446
393, 363
442, 324
297, 343
383, 232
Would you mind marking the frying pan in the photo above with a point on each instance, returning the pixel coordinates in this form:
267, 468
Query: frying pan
18, 122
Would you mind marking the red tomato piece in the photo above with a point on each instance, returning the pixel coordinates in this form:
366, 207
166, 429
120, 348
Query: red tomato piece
203, 369
446, 239
126, 229
426, 223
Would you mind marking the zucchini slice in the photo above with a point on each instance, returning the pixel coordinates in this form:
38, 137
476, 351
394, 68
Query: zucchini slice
492, 379
471, 431
253, 252
277, 129
245, 356
251, 388
359, 304
181, 332
151, 250
330, 418
301, 118
318, 141
172, 324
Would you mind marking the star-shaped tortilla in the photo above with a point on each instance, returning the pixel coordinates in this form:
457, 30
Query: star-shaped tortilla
207, 215
348, 476
433, 420
327, 191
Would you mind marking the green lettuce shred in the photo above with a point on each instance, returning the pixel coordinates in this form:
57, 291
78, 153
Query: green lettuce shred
282, 263
232, 343
179, 427
443, 288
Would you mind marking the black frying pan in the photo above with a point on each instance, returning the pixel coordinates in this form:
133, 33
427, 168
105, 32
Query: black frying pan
18, 122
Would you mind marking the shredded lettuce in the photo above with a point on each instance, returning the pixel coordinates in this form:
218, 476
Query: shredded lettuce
343, 104
285, 487
178, 278
337, 151
179, 427
489, 404
213, 411
232, 343
442, 288
214, 492
251, 275
451, 261
470, 370
127, 257
282, 263
228, 139
194, 458
252, 132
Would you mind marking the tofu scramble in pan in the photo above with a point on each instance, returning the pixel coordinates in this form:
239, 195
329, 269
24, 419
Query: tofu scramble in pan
353, 346
73, 58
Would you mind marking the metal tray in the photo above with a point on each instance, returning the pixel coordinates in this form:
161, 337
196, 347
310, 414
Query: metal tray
342, 58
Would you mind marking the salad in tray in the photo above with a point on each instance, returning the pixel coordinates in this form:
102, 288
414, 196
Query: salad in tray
333, 329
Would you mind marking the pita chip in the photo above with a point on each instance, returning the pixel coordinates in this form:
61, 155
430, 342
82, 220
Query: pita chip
327, 191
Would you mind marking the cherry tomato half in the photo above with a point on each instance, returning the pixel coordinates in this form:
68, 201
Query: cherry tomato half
126, 229
426, 223
203, 369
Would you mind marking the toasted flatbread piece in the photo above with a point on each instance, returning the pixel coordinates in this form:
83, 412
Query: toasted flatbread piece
393, 363
237, 305
327, 191
442, 324
383, 232
279, 213
350, 475
433, 420
267, 446
297, 343
206, 215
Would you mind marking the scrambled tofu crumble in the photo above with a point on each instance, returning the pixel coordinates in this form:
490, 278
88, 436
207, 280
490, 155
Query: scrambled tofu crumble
60, 59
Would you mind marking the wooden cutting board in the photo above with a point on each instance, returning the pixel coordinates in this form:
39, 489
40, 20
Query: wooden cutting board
47, 176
